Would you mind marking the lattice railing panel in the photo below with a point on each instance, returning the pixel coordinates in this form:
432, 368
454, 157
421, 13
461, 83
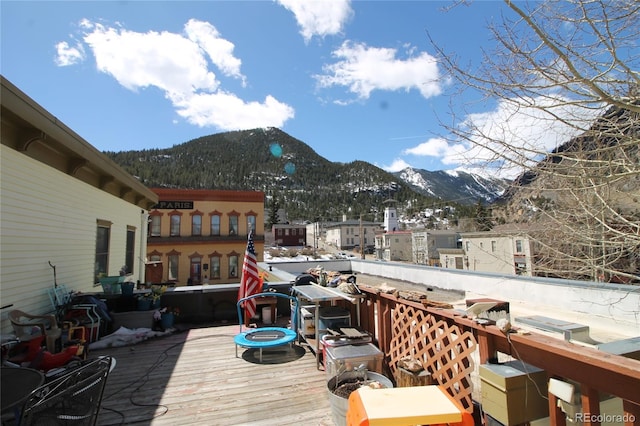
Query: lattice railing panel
445, 351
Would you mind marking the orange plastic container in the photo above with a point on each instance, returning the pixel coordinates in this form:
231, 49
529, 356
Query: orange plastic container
419, 405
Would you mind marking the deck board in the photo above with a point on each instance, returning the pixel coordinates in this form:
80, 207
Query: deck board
194, 378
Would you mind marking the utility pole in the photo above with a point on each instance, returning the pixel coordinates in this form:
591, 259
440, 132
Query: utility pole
361, 239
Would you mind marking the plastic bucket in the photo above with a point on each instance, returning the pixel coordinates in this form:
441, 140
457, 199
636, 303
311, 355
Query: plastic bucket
127, 289
266, 315
167, 319
340, 405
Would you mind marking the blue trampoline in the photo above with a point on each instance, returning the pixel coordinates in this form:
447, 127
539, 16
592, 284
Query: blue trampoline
266, 337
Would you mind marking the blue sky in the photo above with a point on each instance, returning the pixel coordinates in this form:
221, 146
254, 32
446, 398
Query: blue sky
355, 80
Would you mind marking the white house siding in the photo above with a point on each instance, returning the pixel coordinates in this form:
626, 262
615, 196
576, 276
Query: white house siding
346, 235
48, 216
482, 257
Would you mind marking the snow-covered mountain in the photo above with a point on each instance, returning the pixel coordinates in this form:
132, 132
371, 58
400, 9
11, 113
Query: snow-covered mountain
452, 185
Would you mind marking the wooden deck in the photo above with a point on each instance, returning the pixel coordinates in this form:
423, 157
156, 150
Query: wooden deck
193, 377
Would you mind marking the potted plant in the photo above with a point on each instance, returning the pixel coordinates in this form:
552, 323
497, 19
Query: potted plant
151, 300
167, 317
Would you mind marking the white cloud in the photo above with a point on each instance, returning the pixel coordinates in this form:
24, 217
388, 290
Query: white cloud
67, 55
220, 51
515, 136
434, 147
319, 17
165, 60
446, 152
227, 111
364, 69
178, 65
504, 141
397, 165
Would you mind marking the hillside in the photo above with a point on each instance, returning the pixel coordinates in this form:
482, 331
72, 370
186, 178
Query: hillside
305, 184
455, 186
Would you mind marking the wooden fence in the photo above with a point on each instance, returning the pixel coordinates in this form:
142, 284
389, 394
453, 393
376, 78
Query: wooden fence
444, 341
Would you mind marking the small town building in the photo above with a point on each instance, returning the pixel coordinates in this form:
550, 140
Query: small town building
289, 235
500, 251
427, 242
69, 215
351, 233
200, 236
390, 216
395, 246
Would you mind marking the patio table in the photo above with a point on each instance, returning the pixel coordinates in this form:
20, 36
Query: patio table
315, 293
17, 383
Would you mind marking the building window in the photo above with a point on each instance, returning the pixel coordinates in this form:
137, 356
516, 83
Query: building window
467, 246
215, 267
103, 235
173, 267
518, 246
493, 246
251, 224
233, 225
196, 225
175, 225
215, 224
156, 220
130, 249
233, 266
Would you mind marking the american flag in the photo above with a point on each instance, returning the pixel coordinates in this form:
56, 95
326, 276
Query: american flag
250, 282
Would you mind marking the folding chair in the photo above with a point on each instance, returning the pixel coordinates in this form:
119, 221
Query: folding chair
85, 313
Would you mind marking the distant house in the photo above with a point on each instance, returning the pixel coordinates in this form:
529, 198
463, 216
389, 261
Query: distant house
394, 246
65, 205
349, 234
317, 233
197, 234
289, 235
427, 242
452, 258
501, 251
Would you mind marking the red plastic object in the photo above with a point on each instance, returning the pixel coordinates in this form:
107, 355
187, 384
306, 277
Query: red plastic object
45, 361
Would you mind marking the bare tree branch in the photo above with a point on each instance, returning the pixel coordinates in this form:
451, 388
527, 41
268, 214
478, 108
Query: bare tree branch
565, 79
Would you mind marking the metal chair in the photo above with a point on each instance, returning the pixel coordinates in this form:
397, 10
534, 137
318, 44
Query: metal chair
73, 399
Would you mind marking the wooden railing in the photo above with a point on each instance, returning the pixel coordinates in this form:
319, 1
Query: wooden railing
597, 372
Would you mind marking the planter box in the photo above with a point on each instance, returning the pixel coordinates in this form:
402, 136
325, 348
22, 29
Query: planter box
132, 319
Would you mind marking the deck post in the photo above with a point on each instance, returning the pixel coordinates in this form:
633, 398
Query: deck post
590, 404
556, 415
631, 412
